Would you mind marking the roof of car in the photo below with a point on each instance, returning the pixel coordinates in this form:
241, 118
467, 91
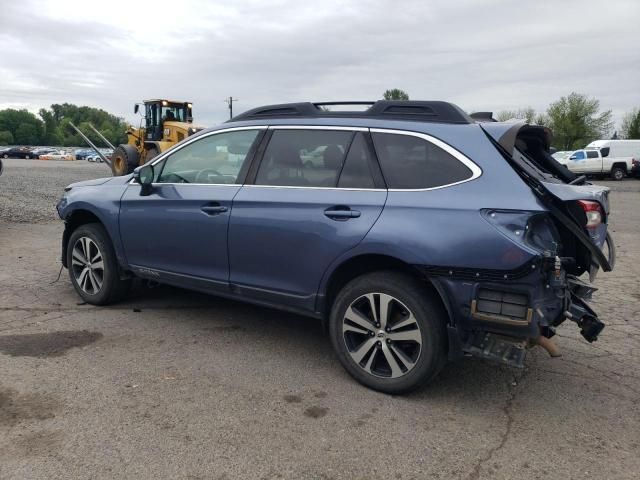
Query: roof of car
420, 111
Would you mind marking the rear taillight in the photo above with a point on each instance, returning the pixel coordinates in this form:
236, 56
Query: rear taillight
593, 212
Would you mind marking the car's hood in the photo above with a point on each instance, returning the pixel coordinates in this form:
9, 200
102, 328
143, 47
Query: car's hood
101, 181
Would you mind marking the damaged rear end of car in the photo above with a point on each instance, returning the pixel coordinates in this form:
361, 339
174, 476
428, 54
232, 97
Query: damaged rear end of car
566, 245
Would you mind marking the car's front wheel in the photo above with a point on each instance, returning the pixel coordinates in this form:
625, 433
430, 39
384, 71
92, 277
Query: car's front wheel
92, 265
388, 331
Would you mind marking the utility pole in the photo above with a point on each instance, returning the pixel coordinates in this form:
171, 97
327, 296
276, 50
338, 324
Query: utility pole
230, 101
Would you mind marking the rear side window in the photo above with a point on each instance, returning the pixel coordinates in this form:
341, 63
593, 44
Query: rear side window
304, 158
410, 162
592, 154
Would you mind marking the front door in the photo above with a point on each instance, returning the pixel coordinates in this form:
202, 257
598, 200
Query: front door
577, 162
178, 233
316, 194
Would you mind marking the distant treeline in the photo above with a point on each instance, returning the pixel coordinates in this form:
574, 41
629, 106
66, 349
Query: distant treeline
51, 127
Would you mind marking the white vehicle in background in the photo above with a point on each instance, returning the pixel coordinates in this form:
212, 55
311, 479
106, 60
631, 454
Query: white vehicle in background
94, 157
590, 161
620, 149
58, 155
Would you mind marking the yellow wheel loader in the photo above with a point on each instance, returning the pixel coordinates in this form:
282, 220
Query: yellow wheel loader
165, 123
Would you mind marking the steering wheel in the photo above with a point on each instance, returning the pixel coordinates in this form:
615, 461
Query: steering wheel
203, 174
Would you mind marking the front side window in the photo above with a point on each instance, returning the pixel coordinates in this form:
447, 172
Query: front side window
215, 159
410, 162
578, 156
304, 158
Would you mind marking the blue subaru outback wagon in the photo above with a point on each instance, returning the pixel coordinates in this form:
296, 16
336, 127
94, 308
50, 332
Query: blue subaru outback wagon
415, 233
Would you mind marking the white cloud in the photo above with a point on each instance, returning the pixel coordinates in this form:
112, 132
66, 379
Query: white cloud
483, 55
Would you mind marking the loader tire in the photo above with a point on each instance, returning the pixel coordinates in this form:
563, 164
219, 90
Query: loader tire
124, 160
151, 154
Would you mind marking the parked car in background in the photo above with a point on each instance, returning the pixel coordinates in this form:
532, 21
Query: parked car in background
620, 149
83, 153
94, 157
18, 152
414, 233
589, 161
42, 151
58, 155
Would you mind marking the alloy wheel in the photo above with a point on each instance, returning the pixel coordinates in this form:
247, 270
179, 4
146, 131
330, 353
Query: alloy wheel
382, 335
87, 265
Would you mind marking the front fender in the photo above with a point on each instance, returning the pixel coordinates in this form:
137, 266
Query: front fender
86, 204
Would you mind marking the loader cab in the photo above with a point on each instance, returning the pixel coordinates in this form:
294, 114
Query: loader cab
159, 111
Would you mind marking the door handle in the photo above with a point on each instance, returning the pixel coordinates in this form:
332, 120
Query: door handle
344, 213
214, 209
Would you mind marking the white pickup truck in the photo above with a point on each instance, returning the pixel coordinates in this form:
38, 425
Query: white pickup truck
589, 161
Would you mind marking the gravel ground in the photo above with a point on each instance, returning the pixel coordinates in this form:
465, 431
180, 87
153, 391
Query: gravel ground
173, 384
30, 189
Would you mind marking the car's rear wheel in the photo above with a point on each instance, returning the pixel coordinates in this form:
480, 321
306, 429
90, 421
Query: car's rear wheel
92, 265
388, 331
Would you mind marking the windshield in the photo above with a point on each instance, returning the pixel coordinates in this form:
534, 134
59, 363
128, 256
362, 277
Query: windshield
177, 113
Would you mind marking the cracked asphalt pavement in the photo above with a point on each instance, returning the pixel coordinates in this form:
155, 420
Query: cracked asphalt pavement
173, 384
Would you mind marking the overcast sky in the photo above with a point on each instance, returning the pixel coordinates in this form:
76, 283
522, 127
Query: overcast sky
483, 55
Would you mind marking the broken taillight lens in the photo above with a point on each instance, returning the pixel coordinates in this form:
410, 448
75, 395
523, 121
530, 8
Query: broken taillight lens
593, 212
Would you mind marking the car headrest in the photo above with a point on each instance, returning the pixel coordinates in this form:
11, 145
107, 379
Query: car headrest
332, 157
286, 156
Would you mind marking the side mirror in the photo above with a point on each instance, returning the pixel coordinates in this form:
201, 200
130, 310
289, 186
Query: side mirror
573, 157
136, 107
144, 175
605, 151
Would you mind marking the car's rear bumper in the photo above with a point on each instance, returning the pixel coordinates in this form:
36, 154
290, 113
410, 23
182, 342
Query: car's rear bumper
500, 315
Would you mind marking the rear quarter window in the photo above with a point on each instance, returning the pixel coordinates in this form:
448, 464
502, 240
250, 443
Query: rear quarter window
412, 162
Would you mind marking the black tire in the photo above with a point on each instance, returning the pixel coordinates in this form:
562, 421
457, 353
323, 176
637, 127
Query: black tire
430, 319
112, 288
124, 160
618, 173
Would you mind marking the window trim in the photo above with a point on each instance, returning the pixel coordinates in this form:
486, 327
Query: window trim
178, 147
258, 156
476, 171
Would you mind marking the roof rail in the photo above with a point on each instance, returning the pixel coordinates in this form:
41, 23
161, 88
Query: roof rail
422, 111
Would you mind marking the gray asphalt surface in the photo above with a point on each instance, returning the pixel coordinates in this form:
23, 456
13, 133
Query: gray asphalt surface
172, 384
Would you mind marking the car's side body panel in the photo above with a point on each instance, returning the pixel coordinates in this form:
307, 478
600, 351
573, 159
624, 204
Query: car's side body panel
281, 239
167, 232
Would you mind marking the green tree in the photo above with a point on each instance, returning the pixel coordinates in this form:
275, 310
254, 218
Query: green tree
23, 125
631, 125
6, 137
575, 121
527, 114
395, 94
26, 134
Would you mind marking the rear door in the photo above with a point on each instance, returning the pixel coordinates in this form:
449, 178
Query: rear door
178, 233
314, 195
593, 162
